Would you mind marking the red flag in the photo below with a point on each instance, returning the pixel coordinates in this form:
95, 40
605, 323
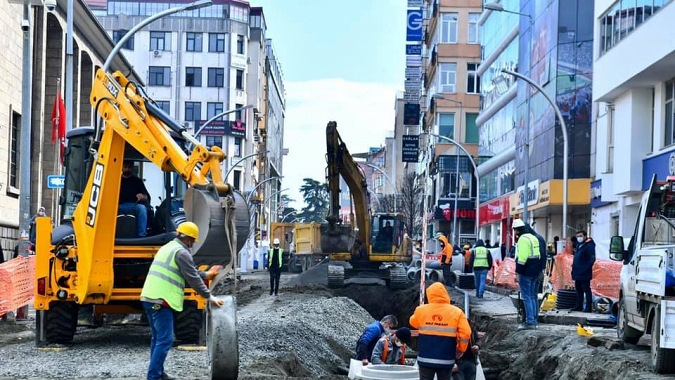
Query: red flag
59, 123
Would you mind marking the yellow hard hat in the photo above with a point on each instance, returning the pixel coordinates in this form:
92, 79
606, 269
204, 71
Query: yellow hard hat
189, 229
466, 246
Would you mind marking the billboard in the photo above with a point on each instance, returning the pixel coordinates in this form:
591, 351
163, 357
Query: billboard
411, 148
414, 31
411, 114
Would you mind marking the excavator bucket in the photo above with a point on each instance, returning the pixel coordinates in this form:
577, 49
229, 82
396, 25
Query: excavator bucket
227, 218
336, 238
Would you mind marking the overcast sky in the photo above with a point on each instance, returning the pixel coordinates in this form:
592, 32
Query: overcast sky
342, 60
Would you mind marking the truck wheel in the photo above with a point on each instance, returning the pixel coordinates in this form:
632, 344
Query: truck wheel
623, 331
188, 324
59, 322
663, 359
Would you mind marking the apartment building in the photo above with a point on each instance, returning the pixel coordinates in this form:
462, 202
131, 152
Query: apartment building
198, 65
550, 42
452, 103
634, 95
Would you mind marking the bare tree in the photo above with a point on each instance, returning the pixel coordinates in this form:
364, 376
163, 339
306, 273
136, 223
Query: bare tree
411, 203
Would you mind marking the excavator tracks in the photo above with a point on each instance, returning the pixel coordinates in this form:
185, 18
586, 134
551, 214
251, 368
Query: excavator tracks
398, 278
336, 276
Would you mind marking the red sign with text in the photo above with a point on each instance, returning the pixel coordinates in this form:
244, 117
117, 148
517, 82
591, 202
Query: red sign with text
494, 211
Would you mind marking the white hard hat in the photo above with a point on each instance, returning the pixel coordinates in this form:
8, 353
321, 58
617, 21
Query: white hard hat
276, 241
518, 223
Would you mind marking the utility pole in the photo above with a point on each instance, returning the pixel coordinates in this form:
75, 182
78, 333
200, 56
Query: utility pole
24, 144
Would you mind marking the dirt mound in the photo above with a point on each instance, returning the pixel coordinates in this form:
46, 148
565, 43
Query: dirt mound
316, 275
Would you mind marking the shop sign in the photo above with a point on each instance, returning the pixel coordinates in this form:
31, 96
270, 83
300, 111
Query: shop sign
494, 211
662, 165
532, 194
596, 194
445, 212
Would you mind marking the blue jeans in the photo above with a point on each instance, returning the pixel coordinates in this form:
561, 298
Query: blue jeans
480, 275
140, 212
161, 324
528, 292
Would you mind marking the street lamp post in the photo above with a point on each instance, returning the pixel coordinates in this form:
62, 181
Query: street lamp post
475, 173
248, 197
497, 7
563, 126
240, 161
187, 7
461, 117
390, 182
290, 213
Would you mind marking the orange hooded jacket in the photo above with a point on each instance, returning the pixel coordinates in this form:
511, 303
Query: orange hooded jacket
443, 329
446, 253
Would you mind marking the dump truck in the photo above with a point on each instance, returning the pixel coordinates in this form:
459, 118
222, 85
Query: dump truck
647, 294
307, 238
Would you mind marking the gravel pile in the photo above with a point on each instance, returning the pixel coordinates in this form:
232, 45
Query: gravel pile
322, 331
316, 275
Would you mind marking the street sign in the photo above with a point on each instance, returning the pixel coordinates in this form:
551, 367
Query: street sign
414, 31
411, 148
56, 181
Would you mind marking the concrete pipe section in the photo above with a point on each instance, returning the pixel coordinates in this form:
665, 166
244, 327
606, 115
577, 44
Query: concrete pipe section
222, 340
382, 371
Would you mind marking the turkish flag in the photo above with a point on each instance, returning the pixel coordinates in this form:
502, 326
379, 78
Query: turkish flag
59, 123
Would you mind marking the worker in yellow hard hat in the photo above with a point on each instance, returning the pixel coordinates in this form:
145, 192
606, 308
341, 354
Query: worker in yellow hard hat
163, 291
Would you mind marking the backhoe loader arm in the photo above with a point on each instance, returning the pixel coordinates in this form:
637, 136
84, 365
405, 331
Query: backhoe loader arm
341, 163
129, 118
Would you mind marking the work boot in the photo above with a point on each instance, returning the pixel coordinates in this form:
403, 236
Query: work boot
526, 326
165, 376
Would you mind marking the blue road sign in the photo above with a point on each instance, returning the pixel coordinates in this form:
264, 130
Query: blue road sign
56, 181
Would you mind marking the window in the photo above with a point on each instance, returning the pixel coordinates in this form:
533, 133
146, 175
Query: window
159, 76
193, 76
217, 42
472, 79
216, 77
237, 147
165, 105
240, 80
670, 113
471, 129
446, 126
236, 179
239, 114
193, 111
452, 184
626, 15
214, 141
193, 42
240, 44
474, 30
213, 109
448, 77
117, 36
160, 41
449, 28
14, 152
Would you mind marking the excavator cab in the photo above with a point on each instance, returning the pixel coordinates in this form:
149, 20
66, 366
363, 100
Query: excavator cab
386, 233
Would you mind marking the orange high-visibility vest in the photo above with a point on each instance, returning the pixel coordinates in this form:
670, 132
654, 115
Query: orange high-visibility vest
385, 352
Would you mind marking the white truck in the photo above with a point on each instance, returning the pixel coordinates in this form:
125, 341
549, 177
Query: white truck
647, 294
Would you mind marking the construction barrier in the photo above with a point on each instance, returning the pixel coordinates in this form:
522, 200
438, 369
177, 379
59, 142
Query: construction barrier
16, 283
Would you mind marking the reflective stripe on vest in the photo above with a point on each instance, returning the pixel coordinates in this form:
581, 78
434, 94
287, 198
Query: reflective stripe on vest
164, 280
534, 248
449, 331
446, 362
481, 259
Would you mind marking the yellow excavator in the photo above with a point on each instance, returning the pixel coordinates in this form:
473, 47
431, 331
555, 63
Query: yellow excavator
371, 245
82, 263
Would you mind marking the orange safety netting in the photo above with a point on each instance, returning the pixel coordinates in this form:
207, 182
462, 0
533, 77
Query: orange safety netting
606, 276
505, 275
16, 283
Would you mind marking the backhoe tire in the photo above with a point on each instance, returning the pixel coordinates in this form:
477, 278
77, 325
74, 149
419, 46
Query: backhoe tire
187, 326
623, 331
663, 359
60, 322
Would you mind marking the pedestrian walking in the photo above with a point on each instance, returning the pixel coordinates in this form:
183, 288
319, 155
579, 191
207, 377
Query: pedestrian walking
582, 271
371, 334
446, 259
274, 266
444, 334
480, 263
528, 267
163, 293
390, 349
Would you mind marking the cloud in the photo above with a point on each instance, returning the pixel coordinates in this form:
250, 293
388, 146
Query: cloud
364, 112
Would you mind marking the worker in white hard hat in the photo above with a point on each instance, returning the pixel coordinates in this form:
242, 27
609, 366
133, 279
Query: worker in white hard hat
528, 267
274, 266
163, 292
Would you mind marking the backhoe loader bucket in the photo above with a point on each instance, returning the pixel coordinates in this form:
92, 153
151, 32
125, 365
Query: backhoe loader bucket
213, 214
336, 238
